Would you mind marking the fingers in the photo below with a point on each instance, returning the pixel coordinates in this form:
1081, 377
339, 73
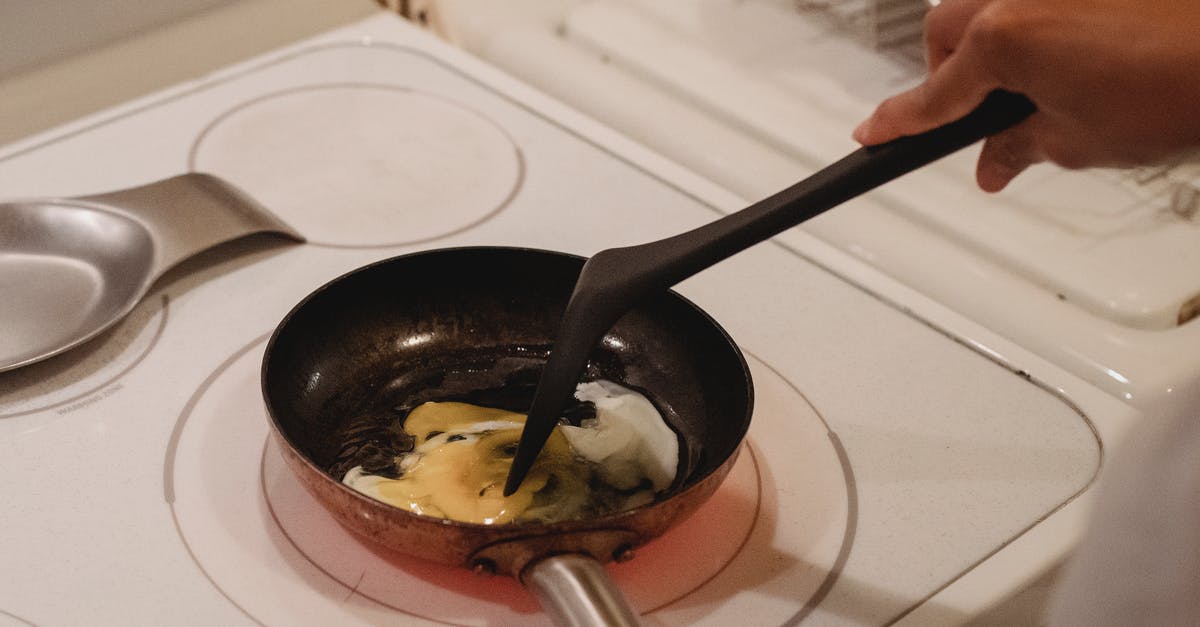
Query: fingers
945, 25
961, 39
951, 92
1007, 154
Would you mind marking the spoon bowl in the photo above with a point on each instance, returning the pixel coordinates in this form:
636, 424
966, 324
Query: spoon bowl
72, 268
67, 273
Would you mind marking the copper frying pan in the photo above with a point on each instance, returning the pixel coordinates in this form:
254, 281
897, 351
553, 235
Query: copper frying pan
476, 324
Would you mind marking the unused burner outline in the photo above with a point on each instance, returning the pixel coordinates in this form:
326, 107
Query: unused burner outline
17, 618
162, 315
518, 155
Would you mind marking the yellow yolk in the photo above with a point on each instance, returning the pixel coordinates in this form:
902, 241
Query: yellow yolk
462, 453
460, 461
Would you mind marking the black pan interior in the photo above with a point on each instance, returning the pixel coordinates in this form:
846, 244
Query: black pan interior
476, 324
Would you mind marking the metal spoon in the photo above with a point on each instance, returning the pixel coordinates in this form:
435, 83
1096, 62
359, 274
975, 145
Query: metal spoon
614, 279
71, 268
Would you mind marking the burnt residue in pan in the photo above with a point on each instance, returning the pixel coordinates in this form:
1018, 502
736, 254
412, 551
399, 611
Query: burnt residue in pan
347, 363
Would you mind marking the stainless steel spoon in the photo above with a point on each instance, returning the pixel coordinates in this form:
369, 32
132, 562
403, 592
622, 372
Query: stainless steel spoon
613, 280
71, 268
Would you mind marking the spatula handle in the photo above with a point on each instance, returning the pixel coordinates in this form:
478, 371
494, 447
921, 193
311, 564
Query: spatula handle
666, 262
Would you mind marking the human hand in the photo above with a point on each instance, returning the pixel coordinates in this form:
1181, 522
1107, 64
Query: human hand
1116, 82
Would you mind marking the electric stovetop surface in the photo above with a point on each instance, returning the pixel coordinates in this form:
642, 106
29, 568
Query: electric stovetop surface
898, 454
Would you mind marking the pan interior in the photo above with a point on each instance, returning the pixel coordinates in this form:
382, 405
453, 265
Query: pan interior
476, 325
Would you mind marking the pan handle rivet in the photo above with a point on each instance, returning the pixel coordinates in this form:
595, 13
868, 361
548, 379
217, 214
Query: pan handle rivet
623, 553
483, 566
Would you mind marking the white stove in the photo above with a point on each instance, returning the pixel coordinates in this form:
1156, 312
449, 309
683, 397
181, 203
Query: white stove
905, 465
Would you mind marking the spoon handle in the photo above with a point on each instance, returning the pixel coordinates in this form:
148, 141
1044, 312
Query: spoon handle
614, 280
190, 213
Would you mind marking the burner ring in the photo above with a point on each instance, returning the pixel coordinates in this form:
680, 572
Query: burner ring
277, 556
88, 373
364, 165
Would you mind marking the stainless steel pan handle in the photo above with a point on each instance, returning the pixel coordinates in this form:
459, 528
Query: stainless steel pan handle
576, 592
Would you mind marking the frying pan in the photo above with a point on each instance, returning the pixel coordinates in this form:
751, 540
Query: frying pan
476, 325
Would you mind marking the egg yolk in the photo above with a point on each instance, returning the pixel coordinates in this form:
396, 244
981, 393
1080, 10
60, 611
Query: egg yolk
460, 461
616, 460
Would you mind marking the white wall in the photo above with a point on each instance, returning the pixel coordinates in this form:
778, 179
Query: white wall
35, 32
